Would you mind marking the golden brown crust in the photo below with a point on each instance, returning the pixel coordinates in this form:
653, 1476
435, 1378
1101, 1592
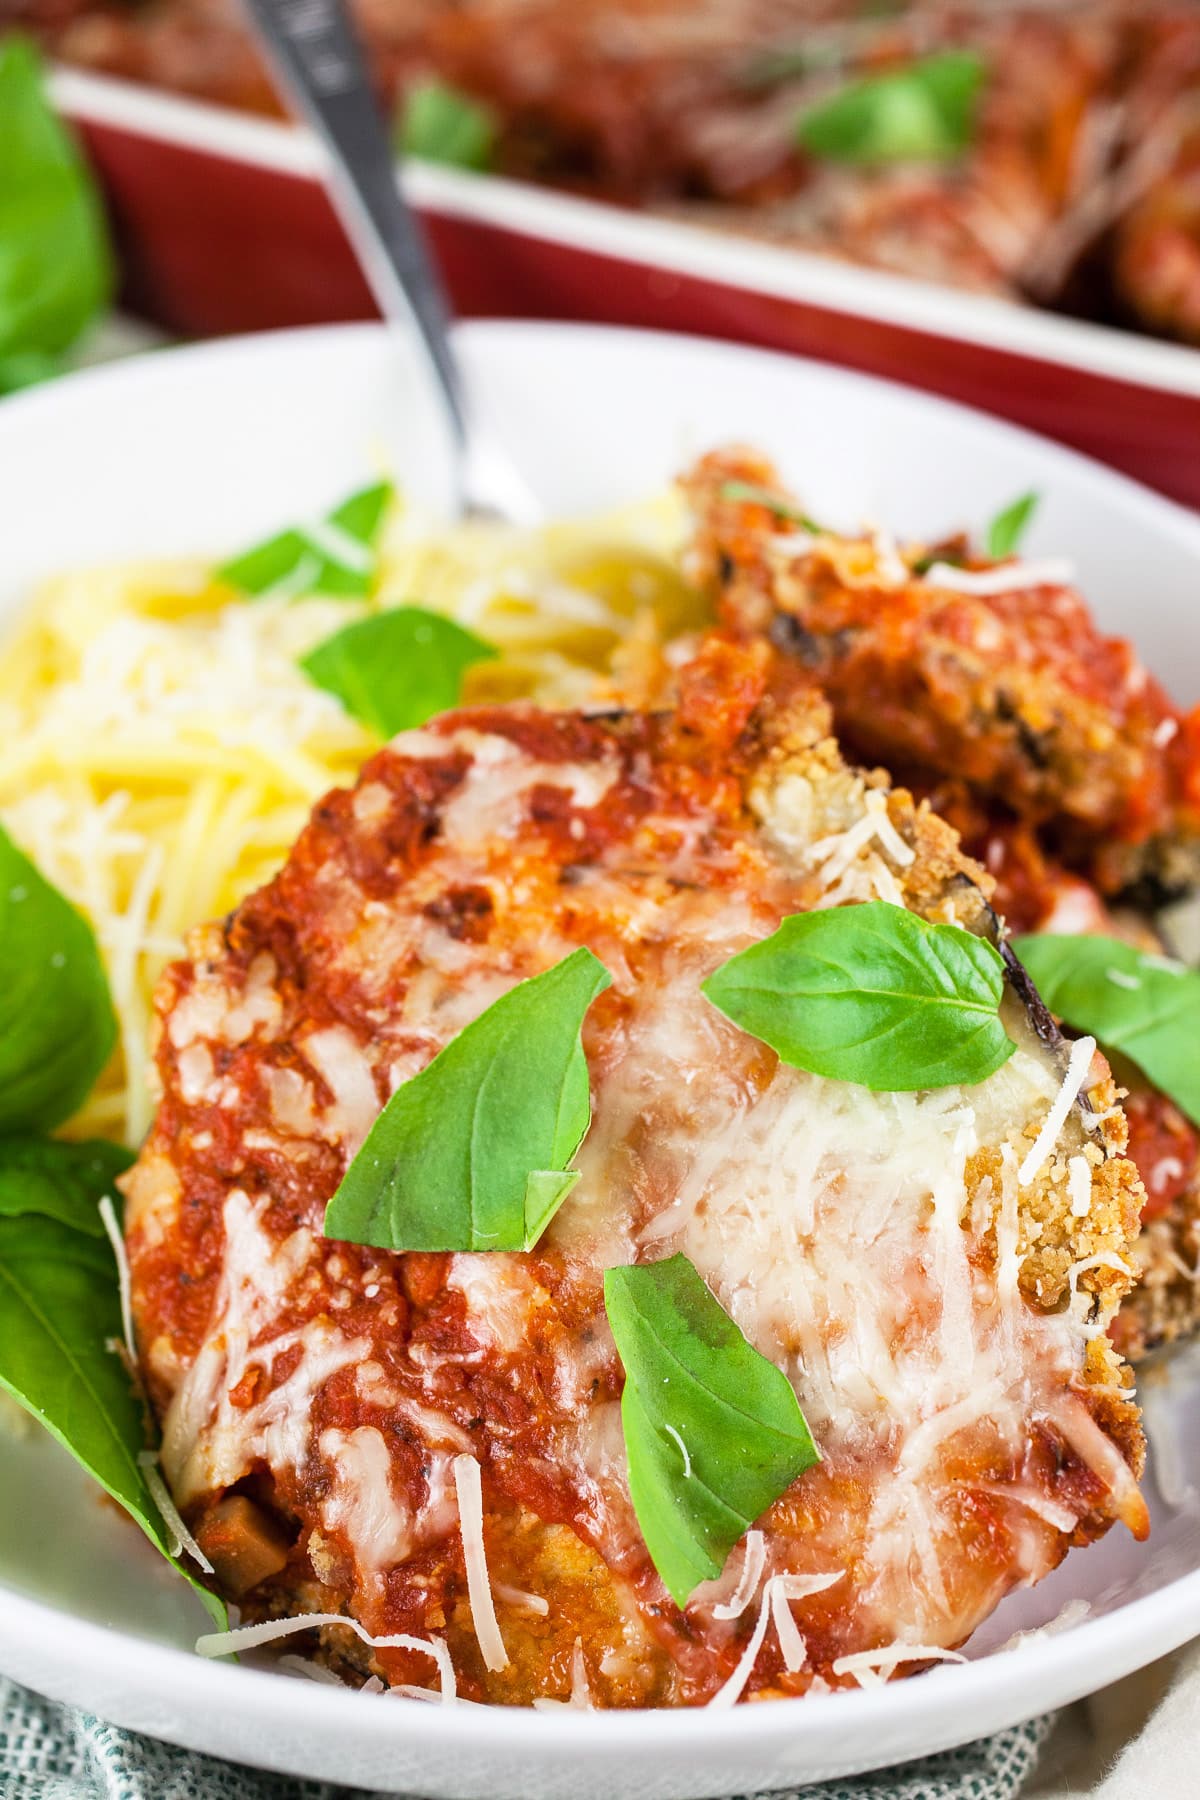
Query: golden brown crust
1014, 694
333, 1384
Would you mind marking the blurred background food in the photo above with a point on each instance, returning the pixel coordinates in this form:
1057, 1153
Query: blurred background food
1045, 150
56, 268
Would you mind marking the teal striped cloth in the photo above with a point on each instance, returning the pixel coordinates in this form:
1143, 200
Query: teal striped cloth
50, 1753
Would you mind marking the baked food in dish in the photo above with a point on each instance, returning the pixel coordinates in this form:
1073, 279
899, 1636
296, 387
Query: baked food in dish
431, 1443
1057, 165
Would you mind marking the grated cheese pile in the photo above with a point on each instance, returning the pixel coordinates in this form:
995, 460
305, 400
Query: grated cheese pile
162, 749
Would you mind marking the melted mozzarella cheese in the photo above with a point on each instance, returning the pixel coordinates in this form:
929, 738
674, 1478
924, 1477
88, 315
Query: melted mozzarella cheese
468, 1485
208, 1442
361, 1501
837, 1228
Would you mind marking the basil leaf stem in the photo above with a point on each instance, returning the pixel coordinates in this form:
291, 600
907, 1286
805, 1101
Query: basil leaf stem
57, 1025
873, 994
56, 271
443, 125
472, 1153
1006, 530
335, 556
922, 112
713, 1430
397, 669
1145, 1007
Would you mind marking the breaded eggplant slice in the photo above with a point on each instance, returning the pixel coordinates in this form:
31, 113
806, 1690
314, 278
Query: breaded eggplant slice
941, 1318
1034, 893
956, 669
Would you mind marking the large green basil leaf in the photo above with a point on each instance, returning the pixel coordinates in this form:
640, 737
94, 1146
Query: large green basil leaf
57, 1026
59, 1180
55, 267
59, 1313
713, 1430
472, 1153
873, 994
397, 669
1146, 1007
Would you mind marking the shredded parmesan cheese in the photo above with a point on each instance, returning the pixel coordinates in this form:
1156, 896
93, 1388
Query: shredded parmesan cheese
182, 1538
1078, 1064
1006, 578
1079, 1186
163, 746
883, 1664
776, 1595
683, 1451
731, 1693
249, 1637
109, 1218
468, 1485
753, 1564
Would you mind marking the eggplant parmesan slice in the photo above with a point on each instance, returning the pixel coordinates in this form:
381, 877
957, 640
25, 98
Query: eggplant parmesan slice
992, 675
1034, 892
918, 1264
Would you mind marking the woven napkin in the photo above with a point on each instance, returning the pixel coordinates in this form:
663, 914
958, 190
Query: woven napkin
48, 1752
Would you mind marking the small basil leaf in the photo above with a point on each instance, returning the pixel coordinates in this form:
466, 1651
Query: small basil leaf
334, 556
472, 1153
55, 265
749, 493
1007, 529
59, 1180
59, 1311
922, 112
443, 125
713, 1431
57, 1026
397, 669
872, 994
1145, 1007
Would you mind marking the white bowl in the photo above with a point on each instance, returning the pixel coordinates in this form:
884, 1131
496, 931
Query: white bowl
197, 450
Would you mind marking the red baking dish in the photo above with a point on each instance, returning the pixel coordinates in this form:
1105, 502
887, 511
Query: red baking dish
224, 226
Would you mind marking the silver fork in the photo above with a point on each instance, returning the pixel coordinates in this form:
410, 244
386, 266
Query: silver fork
320, 67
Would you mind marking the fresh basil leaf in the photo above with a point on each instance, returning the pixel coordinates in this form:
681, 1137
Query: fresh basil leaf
55, 266
1007, 529
397, 669
59, 1180
872, 994
57, 1026
749, 493
1145, 1007
443, 125
59, 1311
25, 368
713, 1431
472, 1153
335, 556
923, 112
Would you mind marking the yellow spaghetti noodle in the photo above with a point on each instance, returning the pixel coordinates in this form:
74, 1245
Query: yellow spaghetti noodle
162, 747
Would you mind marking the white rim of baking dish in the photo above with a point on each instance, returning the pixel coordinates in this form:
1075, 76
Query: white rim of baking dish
956, 1703
672, 247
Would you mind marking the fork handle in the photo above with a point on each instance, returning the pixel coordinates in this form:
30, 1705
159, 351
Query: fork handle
319, 62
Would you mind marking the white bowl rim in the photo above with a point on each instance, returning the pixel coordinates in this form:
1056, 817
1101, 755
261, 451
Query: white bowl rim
1119, 1641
